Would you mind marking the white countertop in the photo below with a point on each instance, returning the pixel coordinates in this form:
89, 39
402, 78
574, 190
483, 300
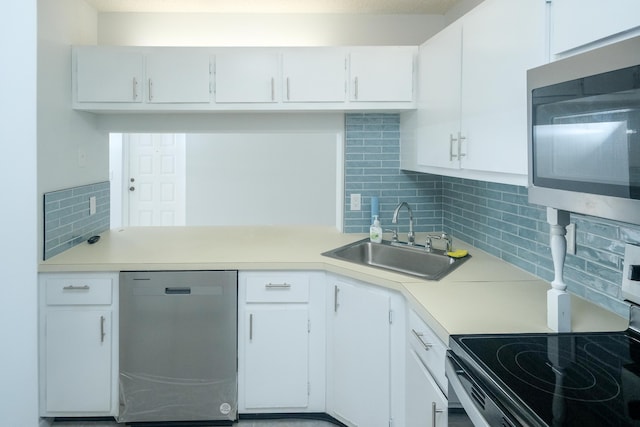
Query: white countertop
483, 295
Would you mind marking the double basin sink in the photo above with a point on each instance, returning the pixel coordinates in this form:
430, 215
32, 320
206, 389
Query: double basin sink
398, 257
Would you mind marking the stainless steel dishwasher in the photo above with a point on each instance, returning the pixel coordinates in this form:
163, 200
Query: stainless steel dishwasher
178, 346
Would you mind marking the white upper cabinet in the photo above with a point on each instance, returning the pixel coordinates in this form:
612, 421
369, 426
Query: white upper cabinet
178, 75
439, 98
200, 79
578, 23
314, 75
472, 105
381, 74
247, 77
502, 39
108, 75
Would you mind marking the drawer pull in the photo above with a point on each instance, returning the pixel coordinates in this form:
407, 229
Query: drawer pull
77, 288
277, 286
419, 336
434, 411
102, 332
250, 327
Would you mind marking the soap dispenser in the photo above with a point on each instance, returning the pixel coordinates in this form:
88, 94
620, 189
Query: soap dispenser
375, 231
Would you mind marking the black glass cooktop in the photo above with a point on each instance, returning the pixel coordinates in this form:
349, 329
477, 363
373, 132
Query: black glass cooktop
571, 379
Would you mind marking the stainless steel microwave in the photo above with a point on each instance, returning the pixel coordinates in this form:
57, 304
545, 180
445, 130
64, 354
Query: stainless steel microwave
584, 140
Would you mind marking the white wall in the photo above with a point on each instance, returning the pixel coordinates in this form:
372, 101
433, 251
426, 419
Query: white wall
71, 151
18, 287
262, 179
213, 29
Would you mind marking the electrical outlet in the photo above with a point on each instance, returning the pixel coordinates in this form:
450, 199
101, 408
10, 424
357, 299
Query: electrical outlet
92, 205
571, 238
356, 200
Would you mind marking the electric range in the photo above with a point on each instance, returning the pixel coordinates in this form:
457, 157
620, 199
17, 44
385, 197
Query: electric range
552, 379
567, 379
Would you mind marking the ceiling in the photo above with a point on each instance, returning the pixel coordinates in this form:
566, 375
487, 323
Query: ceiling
438, 7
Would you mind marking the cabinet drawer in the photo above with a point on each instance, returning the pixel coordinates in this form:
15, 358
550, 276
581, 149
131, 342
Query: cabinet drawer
78, 291
278, 288
429, 348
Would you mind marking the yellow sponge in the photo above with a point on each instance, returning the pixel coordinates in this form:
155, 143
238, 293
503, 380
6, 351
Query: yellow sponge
460, 253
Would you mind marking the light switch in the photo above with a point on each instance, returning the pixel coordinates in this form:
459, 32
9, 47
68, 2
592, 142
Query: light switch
356, 200
92, 205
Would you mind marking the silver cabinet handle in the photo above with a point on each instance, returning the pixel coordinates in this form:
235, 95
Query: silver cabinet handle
102, 332
288, 90
150, 89
355, 90
419, 336
273, 89
460, 139
135, 88
336, 289
452, 140
77, 288
250, 327
277, 286
434, 411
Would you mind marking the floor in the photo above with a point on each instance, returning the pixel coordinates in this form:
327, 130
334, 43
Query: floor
242, 423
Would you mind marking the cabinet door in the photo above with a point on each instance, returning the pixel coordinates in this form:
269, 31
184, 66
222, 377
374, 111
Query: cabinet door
438, 115
177, 76
276, 361
426, 405
575, 23
246, 76
108, 75
359, 356
501, 40
314, 75
78, 361
381, 74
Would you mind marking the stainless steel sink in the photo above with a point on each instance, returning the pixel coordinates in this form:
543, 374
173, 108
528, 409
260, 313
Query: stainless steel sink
400, 258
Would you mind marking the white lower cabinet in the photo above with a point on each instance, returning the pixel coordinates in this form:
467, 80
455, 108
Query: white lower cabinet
281, 338
426, 405
78, 344
426, 384
363, 366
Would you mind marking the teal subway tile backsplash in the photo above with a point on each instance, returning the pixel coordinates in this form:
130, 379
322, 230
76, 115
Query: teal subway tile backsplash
66, 216
496, 218
372, 169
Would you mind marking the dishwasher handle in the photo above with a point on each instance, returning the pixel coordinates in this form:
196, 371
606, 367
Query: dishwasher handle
177, 291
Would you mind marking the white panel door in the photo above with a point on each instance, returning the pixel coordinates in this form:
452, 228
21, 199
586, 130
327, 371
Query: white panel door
78, 361
156, 183
276, 359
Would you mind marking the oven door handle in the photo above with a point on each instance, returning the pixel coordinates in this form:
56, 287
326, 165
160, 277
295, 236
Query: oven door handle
460, 382
480, 406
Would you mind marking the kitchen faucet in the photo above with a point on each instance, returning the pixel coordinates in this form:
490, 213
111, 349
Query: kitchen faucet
394, 220
444, 236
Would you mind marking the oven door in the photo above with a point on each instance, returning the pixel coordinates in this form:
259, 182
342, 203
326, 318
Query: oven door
479, 405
